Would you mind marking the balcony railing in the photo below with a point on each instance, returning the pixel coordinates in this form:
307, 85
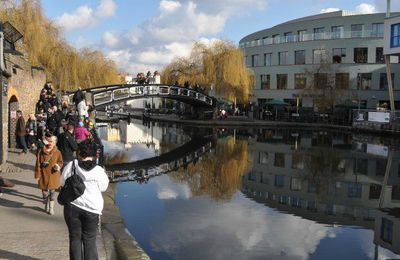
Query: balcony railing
313, 37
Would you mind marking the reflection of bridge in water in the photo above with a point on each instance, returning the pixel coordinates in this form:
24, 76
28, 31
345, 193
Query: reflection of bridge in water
171, 161
103, 96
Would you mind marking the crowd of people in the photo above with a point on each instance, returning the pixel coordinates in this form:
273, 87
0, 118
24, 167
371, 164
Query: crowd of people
66, 143
142, 79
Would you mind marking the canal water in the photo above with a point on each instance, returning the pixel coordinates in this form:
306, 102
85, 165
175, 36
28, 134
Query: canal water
187, 193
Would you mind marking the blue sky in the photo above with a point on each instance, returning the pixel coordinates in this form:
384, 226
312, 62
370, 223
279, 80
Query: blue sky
142, 35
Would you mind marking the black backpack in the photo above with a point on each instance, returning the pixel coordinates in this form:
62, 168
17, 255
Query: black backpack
73, 188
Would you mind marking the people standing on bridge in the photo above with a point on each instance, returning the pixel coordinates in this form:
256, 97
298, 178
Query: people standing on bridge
82, 215
47, 171
20, 132
67, 143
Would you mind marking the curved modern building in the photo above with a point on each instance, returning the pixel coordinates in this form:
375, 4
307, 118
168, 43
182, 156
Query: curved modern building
342, 50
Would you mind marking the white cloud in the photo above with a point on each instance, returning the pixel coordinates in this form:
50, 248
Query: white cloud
366, 8
329, 10
106, 8
172, 32
169, 5
84, 16
110, 39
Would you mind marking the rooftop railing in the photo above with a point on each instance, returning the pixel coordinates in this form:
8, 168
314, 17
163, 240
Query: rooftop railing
312, 37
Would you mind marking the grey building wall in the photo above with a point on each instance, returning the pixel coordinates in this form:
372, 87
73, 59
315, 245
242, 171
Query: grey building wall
254, 44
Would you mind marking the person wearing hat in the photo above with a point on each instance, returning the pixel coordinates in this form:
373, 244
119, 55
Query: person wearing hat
66, 142
47, 171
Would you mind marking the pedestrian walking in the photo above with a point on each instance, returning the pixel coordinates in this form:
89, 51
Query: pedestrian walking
82, 215
47, 171
81, 133
20, 131
67, 144
31, 129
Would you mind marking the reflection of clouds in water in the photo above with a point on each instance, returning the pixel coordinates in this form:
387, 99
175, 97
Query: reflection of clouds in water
366, 242
168, 190
133, 153
249, 229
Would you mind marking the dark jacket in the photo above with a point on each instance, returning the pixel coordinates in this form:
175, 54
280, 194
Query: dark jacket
20, 128
52, 122
78, 97
67, 145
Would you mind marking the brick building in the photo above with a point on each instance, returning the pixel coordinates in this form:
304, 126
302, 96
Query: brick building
20, 85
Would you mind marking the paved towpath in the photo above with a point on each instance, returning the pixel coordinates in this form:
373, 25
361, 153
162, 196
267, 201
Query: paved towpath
26, 230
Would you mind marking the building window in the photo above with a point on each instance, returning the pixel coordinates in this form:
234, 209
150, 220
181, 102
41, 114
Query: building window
275, 39
289, 37
265, 80
300, 81
251, 176
337, 32
377, 30
295, 183
387, 230
283, 58
360, 55
296, 202
342, 80
320, 80
319, 56
319, 33
281, 81
263, 158
279, 181
300, 57
354, 190
301, 34
395, 36
383, 82
395, 192
379, 58
374, 191
255, 60
265, 40
338, 55
357, 30
364, 81
360, 166
279, 160
267, 59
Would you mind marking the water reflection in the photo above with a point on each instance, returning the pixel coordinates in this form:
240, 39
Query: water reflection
265, 194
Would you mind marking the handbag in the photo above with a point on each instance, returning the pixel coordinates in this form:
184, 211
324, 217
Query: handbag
73, 188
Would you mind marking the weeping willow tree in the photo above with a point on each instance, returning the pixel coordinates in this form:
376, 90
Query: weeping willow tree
220, 65
44, 46
217, 175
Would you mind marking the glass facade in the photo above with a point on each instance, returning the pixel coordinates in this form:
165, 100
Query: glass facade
395, 36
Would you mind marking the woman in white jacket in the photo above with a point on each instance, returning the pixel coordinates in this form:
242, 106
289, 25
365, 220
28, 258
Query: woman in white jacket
82, 215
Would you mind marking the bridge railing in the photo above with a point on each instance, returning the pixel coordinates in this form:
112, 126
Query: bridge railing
103, 96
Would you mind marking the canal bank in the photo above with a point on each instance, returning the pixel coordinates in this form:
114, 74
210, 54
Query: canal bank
23, 220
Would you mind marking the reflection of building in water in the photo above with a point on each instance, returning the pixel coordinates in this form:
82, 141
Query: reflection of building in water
109, 133
140, 134
324, 177
387, 229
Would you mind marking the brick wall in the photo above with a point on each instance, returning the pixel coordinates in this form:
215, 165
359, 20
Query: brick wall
25, 84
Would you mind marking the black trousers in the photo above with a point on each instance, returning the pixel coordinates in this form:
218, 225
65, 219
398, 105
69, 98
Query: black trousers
82, 227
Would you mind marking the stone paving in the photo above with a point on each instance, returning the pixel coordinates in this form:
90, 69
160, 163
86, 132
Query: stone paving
26, 230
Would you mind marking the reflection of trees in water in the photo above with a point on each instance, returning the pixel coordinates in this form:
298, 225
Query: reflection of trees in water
219, 174
323, 167
119, 157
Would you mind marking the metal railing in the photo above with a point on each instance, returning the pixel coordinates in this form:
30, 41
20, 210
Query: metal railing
312, 37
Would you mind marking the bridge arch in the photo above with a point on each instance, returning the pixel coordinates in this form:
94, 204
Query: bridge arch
103, 96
